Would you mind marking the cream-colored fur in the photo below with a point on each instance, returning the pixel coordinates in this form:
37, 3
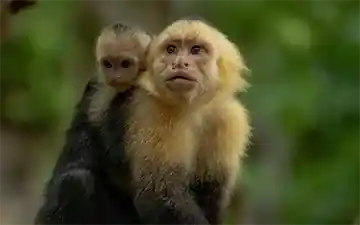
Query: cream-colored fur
208, 139
133, 42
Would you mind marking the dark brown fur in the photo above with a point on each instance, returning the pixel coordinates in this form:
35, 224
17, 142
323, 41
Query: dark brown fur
85, 187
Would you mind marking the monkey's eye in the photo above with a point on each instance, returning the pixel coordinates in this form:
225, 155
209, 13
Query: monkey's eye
106, 63
125, 63
171, 49
195, 50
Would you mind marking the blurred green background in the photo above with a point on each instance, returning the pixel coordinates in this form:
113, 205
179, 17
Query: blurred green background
303, 164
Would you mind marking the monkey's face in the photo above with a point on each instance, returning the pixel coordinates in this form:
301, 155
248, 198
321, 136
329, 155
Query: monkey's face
190, 61
120, 69
185, 68
121, 58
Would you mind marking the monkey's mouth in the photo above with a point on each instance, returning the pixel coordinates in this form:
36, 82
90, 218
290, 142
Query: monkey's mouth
119, 84
180, 81
114, 82
181, 76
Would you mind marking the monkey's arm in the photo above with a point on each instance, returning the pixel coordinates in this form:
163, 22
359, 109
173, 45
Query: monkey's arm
68, 195
208, 194
166, 199
220, 158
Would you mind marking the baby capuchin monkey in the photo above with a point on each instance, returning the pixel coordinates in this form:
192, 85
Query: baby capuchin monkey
186, 156
120, 55
82, 188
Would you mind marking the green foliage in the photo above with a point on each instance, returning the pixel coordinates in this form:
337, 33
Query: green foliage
32, 67
305, 75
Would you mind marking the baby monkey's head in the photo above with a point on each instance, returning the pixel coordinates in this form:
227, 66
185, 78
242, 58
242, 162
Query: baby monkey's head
120, 54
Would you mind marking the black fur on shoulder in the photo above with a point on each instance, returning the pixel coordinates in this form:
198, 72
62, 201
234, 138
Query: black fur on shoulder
81, 189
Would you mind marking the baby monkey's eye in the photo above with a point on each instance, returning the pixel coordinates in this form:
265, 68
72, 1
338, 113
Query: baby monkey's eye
171, 49
196, 49
106, 63
125, 63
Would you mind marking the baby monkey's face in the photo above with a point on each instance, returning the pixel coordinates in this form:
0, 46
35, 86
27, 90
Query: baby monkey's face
121, 58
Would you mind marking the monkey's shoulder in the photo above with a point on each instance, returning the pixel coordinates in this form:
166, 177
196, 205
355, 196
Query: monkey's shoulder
227, 110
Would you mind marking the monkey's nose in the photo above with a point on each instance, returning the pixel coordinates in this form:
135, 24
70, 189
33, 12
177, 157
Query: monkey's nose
180, 65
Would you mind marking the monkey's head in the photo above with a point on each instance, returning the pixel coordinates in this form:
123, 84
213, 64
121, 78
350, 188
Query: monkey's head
120, 54
191, 61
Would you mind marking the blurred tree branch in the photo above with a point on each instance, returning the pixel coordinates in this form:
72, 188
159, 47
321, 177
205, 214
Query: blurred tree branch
14, 6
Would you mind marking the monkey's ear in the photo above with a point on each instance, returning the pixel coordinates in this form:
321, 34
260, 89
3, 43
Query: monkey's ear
231, 75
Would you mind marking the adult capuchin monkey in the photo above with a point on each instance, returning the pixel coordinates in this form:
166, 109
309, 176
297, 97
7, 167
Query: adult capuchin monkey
81, 189
186, 132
